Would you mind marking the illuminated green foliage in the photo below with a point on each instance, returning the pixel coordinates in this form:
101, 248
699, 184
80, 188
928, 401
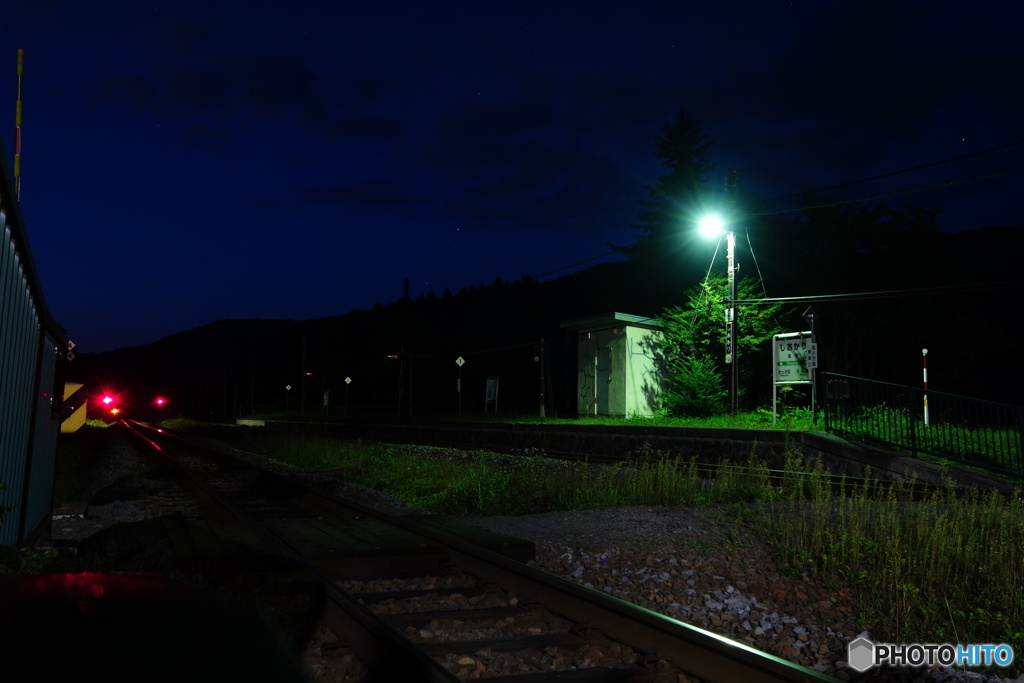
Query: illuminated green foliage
694, 346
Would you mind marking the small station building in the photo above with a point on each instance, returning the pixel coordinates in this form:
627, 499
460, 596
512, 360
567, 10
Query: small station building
619, 366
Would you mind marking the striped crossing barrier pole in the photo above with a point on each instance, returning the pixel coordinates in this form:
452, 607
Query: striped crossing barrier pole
924, 361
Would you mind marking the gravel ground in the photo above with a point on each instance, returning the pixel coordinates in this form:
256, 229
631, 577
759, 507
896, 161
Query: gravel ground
684, 562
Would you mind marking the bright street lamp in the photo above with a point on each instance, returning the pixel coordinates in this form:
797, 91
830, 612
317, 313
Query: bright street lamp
713, 226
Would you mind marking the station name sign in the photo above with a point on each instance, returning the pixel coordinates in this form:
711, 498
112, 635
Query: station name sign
794, 357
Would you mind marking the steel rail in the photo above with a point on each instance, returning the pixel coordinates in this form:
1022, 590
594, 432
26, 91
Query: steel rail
704, 654
710, 657
351, 621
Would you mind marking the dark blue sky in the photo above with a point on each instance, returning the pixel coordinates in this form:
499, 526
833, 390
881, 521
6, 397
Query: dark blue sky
185, 162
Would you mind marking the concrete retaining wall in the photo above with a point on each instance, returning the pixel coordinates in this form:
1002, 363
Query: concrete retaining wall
707, 445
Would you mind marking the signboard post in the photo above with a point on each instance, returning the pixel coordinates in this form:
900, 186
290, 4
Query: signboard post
811, 315
492, 395
794, 357
460, 361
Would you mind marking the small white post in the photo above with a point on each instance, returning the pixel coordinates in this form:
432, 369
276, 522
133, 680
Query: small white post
924, 361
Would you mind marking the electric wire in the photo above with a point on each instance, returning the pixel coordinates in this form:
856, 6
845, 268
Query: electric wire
828, 204
700, 310
883, 294
883, 142
753, 256
818, 206
573, 265
889, 194
907, 170
903, 170
574, 245
499, 348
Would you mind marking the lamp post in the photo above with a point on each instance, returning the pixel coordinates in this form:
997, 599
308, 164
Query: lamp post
713, 226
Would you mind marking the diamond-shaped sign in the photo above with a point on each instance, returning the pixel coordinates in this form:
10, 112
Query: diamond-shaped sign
348, 380
460, 361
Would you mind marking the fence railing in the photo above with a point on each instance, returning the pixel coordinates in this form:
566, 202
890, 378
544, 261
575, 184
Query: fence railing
980, 433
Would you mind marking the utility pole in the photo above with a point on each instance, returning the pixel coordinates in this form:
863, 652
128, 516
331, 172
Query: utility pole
731, 322
17, 129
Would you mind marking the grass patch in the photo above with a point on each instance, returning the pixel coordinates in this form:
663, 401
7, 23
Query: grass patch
452, 481
990, 447
787, 420
945, 568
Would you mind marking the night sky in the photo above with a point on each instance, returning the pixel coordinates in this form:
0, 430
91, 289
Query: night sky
185, 162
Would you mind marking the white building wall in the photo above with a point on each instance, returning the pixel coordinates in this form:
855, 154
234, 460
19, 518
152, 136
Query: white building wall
633, 382
644, 377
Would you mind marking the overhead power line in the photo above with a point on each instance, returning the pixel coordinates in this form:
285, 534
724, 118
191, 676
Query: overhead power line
885, 142
578, 263
816, 206
925, 188
904, 170
882, 294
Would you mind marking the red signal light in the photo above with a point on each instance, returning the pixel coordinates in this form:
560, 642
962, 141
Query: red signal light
107, 400
160, 401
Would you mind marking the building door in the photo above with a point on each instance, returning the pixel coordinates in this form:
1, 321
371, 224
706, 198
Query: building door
604, 366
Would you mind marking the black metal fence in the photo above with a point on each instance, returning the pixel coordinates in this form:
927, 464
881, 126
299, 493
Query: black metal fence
980, 433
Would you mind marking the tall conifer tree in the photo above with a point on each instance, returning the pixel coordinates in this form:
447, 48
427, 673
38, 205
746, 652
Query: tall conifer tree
668, 216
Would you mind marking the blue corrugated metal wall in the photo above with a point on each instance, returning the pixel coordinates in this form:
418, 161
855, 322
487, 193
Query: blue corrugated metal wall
38, 501
31, 364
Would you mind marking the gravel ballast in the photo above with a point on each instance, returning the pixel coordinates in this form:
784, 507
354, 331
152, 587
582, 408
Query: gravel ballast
685, 562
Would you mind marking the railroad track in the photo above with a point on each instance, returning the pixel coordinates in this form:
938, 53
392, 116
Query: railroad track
427, 599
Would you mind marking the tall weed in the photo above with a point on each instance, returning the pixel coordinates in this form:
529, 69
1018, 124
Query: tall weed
944, 567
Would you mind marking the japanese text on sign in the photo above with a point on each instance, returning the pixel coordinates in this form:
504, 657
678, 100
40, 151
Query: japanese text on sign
790, 355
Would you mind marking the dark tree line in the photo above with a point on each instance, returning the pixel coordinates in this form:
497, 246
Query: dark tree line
886, 283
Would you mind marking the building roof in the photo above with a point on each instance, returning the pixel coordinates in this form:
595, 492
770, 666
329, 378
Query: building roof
606, 320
